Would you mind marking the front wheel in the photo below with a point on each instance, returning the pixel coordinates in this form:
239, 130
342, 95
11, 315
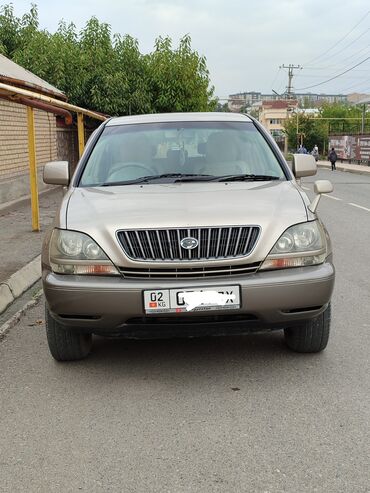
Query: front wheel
312, 336
66, 344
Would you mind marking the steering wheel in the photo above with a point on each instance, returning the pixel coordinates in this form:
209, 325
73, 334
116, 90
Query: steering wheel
120, 166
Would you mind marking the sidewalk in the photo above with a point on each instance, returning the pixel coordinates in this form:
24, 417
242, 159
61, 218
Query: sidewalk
21, 247
350, 168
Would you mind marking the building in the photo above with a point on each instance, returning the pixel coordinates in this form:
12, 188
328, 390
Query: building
14, 161
357, 97
242, 100
272, 115
247, 99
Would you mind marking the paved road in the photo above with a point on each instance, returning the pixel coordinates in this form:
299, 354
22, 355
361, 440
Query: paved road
208, 415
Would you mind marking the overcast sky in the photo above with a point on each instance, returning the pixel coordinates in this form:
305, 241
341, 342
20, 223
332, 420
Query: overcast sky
244, 41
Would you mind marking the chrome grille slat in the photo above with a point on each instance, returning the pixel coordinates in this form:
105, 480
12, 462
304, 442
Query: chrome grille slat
150, 244
218, 241
138, 245
208, 241
191, 272
169, 243
189, 251
178, 244
125, 237
163, 245
228, 242
248, 240
159, 243
237, 242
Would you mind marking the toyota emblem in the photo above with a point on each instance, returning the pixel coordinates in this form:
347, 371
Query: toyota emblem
189, 243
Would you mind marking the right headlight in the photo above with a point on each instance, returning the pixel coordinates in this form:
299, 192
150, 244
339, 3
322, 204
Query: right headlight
300, 245
73, 252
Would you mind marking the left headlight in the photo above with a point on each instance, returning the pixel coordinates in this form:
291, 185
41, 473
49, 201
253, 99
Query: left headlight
72, 252
300, 245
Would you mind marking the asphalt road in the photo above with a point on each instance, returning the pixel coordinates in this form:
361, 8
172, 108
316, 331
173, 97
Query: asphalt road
210, 415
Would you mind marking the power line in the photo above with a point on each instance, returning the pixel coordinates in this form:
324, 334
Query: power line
335, 76
353, 57
276, 76
359, 76
361, 51
339, 52
364, 81
341, 39
351, 43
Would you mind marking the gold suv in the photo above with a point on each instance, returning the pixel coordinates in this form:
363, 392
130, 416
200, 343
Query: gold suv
185, 224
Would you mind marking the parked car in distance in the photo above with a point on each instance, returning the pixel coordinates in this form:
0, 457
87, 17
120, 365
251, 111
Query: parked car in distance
185, 224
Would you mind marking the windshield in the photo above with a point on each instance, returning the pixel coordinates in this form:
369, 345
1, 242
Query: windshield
180, 151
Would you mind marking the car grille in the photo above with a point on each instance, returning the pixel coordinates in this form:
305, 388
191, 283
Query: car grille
189, 273
213, 243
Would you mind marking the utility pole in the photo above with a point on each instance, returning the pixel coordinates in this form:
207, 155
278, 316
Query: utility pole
289, 89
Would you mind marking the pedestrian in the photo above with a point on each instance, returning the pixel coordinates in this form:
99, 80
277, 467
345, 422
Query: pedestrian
315, 153
302, 149
333, 158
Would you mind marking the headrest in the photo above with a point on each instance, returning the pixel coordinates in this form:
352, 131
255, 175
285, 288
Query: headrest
202, 148
221, 147
135, 148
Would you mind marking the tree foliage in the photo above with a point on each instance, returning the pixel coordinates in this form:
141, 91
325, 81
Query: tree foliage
107, 72
313, 131
333, 118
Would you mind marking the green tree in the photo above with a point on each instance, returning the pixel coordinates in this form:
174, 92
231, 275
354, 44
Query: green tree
346, 118
106, 72
311, 129
179, 78
222, 107
333, 118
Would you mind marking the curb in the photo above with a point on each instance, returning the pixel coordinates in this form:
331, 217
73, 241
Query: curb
9, 324
8, 206
345, 170
19, 282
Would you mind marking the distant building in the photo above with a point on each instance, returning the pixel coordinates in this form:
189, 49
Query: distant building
356, 97
247, 99
272, 115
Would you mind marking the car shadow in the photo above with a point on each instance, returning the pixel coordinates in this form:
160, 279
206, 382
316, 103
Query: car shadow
195, 359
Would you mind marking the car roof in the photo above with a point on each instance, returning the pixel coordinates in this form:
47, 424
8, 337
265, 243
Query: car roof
179, 117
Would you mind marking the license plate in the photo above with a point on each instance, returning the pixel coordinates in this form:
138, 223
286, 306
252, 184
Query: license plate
192, 299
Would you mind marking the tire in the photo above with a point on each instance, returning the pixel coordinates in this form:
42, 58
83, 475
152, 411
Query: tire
312, 336
66, 344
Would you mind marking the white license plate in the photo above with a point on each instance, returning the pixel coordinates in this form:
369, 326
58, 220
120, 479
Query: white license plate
192, 299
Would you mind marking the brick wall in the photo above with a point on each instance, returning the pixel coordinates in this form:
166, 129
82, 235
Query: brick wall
67, 146
14, 139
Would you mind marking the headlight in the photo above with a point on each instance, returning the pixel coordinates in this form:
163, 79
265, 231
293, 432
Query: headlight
72, 252
300, 245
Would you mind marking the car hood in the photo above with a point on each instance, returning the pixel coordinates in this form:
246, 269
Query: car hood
100, 212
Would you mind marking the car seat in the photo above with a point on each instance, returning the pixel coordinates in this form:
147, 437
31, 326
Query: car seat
222, 155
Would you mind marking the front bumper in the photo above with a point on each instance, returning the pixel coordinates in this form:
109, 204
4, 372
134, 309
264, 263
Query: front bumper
114, 305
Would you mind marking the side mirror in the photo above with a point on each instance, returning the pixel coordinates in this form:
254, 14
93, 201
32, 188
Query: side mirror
304, 165
320, 187
56, 173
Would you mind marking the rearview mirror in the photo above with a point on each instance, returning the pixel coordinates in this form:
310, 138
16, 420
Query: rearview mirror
304, 165
320, 187
56, 173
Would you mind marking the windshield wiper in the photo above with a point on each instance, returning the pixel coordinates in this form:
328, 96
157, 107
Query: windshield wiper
187, 177
150, 178
194, 177
247, 177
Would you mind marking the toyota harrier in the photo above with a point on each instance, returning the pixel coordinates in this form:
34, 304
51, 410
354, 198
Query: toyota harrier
185, 224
